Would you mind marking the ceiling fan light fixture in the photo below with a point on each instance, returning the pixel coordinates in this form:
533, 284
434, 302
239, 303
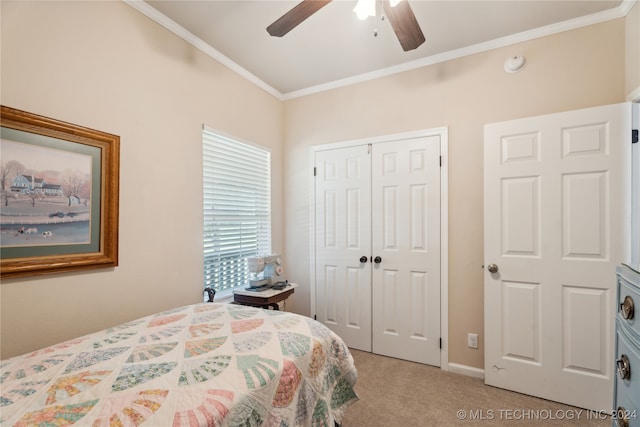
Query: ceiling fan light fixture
365, 8
402, 19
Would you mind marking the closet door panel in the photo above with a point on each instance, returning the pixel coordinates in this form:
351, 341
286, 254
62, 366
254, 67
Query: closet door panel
405, 189
343, 236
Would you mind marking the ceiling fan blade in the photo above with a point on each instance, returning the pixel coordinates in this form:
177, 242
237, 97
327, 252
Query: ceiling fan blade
404, 24
295, 16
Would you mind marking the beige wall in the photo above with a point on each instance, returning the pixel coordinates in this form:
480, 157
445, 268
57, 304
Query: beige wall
105, 66
575, 69
632, 47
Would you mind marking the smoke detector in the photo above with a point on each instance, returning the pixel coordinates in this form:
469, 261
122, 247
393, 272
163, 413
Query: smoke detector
514, 64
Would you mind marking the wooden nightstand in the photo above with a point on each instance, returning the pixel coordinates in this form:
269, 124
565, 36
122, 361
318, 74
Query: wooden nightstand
264, 299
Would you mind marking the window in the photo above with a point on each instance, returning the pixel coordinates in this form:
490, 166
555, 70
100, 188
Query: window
237, 209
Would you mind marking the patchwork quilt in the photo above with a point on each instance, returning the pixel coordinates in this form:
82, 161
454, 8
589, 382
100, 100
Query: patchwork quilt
200, 365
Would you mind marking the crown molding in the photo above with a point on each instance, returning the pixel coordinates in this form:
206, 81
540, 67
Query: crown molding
198, 43
548, 30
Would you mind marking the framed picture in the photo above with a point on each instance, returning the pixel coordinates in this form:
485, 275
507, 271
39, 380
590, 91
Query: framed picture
59, 196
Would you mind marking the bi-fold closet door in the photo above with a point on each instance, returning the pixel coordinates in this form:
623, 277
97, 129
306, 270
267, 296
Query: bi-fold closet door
377, 246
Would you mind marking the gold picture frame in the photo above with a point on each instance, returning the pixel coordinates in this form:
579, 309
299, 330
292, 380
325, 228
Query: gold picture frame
59, 197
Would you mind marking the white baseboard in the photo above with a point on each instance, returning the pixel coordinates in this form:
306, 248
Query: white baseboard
469, 371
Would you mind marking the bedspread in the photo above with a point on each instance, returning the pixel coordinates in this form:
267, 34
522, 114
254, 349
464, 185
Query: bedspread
198, 365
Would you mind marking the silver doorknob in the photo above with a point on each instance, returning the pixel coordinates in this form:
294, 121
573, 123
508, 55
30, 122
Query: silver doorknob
492, 268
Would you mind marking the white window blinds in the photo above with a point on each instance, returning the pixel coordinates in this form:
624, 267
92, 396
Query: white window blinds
237, 209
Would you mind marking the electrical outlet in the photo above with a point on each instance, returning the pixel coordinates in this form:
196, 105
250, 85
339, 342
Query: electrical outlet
472, 340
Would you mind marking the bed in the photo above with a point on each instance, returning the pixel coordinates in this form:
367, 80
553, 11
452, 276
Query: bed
206, 364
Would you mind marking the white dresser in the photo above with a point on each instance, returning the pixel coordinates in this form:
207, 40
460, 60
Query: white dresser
627, 382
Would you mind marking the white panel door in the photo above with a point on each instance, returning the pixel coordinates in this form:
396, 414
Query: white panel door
406, 249
343, 237
556, 196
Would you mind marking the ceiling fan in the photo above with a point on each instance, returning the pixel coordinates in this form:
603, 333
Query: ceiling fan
400, 16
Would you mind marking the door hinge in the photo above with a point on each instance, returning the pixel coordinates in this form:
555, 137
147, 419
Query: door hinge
634, 136
440, 342
440, 161
315, 317
314, 171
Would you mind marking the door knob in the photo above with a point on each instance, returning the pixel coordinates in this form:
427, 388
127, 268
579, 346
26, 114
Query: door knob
377, 260
492, 268
363, 259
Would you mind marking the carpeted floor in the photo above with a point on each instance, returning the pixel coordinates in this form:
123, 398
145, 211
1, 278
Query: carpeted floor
394, 393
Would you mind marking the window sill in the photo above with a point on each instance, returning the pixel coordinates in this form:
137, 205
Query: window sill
224, 297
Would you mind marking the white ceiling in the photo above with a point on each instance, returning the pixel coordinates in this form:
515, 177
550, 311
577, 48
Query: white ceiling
333, 47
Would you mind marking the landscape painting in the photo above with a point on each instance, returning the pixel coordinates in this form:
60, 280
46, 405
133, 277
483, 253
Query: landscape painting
59, 190
46, 196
